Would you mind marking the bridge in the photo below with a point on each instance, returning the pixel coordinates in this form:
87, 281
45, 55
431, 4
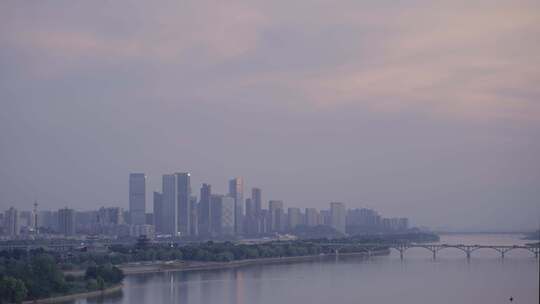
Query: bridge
435, 248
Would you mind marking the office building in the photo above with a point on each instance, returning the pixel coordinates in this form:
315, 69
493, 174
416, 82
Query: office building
193, 221
48, 220
158, 212
294, 218
256, 198
312, 217
338, 214
236, 191
66, 221
12, 226
222, 215
183, 182
110, 216
277, 216
137, 198
205, 212
169, 205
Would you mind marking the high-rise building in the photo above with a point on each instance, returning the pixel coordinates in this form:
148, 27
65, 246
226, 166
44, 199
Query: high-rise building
265, 223
25, 218
236, 191
158, 212
294, 218
48, 220
193, 221
137, 198
325, 218
277, 216
256, 197
110, 216
249, 219
338, 214
183, 181
11, 222
66, 221
205, 212
169, 205
222, 215
363, 219
403, 223
312, 217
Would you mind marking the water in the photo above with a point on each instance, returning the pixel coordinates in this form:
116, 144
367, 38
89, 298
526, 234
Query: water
451, 278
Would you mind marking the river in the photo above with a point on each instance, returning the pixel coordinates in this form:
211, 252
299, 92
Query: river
450, 278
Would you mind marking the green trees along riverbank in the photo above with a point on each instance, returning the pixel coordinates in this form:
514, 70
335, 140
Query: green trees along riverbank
36, 274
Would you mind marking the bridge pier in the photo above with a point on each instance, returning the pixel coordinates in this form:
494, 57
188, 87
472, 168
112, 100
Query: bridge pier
401, 254
434, 254
468, 254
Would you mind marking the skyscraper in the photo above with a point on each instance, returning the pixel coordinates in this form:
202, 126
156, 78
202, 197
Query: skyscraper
137, 198
338, 215
11, 222
277, 216
193, 216
236, 191
183, 181
294, 217
205, 213
249, 220
158, 212
256, 197
312, 217
222, 221
66, 221
169, 205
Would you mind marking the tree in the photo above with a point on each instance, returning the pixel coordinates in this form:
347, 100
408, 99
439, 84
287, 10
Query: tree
12, 290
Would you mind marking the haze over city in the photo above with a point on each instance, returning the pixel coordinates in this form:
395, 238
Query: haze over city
419, 109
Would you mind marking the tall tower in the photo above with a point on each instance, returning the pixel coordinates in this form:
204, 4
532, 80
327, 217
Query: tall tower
137, 198
183, 182
236, 191
205, 210
169, 204
256, 197
158, 212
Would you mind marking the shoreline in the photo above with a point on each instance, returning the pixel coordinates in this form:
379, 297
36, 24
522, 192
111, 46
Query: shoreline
75, 296
194, 266
197, 266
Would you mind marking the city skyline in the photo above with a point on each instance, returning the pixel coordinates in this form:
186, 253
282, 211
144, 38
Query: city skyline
149, 200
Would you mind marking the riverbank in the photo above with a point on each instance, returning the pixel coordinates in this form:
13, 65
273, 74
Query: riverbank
183, 266
197, 266
75, 296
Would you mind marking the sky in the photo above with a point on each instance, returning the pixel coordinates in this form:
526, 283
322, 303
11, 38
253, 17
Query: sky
423, 109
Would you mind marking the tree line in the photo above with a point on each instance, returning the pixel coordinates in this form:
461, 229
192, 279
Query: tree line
35, 274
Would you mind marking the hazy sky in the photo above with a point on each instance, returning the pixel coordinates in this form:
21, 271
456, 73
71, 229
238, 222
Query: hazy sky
425, 109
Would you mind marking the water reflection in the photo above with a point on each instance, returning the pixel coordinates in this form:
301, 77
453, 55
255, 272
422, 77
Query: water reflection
450, 278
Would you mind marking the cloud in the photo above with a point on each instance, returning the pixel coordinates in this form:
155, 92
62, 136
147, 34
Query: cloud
453, 58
